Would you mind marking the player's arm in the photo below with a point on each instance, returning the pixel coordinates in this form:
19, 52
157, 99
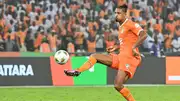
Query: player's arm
113, 48
142, 36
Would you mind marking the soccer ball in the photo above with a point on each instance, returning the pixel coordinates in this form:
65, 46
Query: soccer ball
61, 57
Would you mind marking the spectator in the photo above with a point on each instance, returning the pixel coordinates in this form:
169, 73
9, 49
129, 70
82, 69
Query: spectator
79, 40
157, 49
16, 46
9, 44
49, 22
21, 34
44, 47
83, 29
176, 40
38, 39
29, 40
159, 36
83, 10
168, 40
147, 44
110, 41
71, 48
157, 26
52, 38
33, 14
100, 43
34, 27
91, 44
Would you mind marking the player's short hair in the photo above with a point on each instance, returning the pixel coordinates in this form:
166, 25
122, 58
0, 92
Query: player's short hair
124, 7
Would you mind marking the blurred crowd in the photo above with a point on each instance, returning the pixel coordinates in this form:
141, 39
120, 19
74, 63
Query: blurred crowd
85, 25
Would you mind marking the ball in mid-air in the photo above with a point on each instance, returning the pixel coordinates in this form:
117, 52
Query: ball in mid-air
61, 57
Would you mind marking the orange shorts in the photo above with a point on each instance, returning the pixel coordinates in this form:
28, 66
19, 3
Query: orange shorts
125, 63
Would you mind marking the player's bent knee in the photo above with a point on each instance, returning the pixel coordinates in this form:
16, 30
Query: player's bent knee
95, 55
103, 59
118, 86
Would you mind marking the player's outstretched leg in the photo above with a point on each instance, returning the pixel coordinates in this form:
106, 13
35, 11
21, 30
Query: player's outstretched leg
120, 79
93, 59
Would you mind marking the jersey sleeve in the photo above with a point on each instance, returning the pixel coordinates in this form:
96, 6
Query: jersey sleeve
136, 28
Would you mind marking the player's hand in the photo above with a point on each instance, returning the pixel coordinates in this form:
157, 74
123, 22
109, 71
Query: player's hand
111, 49
135, 53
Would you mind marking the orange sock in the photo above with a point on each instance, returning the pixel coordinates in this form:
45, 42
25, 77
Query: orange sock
88, 64
126, 94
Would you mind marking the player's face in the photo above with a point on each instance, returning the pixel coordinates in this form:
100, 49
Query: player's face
119, 14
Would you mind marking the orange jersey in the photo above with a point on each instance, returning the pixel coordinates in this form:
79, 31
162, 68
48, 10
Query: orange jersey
128, 35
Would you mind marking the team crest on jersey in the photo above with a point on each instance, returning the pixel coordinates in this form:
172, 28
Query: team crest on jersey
127, 66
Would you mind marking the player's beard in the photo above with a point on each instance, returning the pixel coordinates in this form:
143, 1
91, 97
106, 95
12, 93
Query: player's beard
116, 19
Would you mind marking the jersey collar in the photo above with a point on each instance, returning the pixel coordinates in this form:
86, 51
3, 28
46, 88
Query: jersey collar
124, 22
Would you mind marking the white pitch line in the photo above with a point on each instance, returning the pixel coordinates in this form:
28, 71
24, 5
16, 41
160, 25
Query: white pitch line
128, 85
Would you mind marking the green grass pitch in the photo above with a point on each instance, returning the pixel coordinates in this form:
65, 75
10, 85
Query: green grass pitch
141, 93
